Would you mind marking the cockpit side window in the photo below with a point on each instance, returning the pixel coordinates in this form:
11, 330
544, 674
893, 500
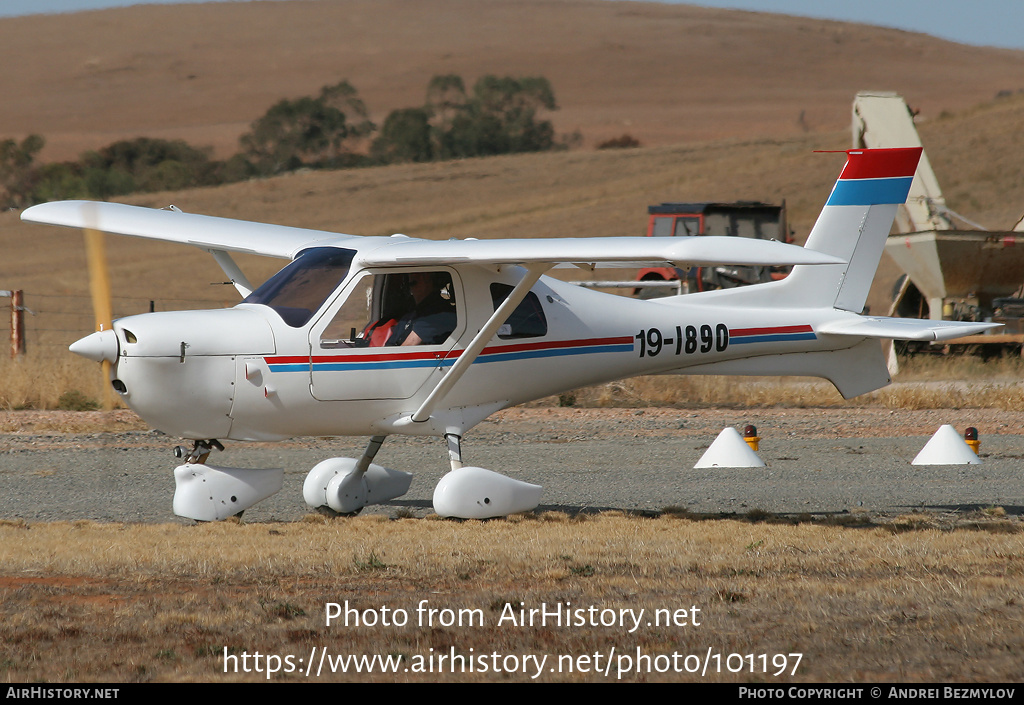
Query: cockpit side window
526, 321
414, 308
298, 290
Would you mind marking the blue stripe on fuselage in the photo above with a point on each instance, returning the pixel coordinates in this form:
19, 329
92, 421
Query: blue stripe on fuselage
773, 338
379, 365
355, 364
291, 367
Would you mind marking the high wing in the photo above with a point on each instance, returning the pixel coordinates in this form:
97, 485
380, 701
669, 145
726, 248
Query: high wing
227, 235
205, 232
598, 251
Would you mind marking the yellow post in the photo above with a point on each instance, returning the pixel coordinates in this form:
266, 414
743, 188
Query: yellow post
99, 288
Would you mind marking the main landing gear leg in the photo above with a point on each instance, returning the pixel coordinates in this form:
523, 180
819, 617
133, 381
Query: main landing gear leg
476, 493
346, 485
454, 450
370, 453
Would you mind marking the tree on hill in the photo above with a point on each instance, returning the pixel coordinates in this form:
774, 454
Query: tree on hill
404, 137
513, 104
501, 116
308, 132
146, 164
17, 166
446, 100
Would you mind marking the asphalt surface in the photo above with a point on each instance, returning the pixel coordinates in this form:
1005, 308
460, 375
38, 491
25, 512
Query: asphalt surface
624, 461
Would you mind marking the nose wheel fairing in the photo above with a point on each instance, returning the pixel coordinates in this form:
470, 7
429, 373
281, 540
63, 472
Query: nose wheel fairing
210, 493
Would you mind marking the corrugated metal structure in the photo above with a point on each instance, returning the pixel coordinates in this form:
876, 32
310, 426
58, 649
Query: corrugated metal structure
951, 273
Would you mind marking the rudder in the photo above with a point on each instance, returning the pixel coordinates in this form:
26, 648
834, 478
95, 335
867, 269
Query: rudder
853, 226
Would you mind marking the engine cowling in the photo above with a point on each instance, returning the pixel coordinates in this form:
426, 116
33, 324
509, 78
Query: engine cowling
176, 369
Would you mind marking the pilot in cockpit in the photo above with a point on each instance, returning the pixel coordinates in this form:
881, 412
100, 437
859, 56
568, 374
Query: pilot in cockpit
427, 316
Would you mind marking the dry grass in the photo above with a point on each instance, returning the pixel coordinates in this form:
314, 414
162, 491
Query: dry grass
957, 395
38, 380
953, 382
575, 193
703, 391
931, 368
906, 601
595, 193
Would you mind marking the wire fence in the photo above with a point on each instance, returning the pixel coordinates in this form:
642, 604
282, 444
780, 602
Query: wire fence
57, 320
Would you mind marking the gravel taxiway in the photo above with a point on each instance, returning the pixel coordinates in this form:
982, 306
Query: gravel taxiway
819, 462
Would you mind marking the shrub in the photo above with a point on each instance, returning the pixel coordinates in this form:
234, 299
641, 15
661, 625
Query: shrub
74, 400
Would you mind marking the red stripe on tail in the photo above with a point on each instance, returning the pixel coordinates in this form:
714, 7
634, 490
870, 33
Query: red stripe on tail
881, 163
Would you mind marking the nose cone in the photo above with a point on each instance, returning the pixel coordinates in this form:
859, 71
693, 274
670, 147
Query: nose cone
98, 346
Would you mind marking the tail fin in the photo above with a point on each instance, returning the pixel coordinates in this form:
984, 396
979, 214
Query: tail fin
853, 226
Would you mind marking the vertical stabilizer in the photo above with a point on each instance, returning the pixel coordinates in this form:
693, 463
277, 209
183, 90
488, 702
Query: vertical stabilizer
853, 226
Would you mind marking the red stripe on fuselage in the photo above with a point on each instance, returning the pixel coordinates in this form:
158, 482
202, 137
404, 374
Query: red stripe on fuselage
737, 332
551, 345
423, 355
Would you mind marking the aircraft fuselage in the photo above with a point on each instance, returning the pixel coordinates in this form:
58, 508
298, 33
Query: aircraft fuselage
247, 374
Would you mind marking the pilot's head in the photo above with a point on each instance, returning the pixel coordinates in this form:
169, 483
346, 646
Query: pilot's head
421, 285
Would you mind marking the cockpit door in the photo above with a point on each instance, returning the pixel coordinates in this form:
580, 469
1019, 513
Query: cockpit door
363, 347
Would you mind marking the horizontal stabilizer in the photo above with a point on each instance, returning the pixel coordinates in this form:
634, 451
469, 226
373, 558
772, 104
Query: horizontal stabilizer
904, 328
596, 251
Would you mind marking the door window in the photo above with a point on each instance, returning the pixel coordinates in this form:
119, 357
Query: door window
391, 310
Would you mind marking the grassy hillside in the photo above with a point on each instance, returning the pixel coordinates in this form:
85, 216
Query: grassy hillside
583, 193
664, 73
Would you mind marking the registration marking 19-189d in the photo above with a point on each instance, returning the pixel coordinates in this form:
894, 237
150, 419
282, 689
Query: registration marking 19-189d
687, 340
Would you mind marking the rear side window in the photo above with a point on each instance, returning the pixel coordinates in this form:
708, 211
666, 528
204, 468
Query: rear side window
527, 321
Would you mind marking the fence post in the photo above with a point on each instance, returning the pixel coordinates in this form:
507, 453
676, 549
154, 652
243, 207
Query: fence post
17, 323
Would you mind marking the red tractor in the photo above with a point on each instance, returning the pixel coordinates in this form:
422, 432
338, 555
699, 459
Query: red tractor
763, 221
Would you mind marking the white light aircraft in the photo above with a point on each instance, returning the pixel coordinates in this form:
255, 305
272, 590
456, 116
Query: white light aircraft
395, 335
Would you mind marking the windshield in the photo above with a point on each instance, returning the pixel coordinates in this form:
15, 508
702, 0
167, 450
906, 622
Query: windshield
298, 290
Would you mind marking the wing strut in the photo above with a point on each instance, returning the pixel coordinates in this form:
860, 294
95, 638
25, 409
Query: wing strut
230, 267
469, 355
